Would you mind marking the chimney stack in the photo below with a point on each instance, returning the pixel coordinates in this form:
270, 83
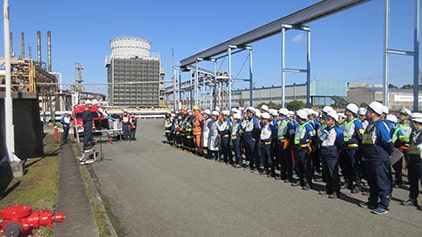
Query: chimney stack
49, 68
23, 45
11, 44
39, 47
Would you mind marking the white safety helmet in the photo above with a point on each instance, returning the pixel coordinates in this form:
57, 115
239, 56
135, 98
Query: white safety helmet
265, 115
405, 111
327, 109
226, 113
258, 114
237, 116
391, 118
385, 110
88, 102
312, 112
333, 114
215, 113
273, 112
352, 108
264, 107
302, 114
416, 117
342, 115
251, 109
235, 110
290, 114
362, 111
94, 101
207, 111
217, 108
283, 111
377, 107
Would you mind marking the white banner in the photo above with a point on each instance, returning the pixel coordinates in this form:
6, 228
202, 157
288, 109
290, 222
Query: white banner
406, 98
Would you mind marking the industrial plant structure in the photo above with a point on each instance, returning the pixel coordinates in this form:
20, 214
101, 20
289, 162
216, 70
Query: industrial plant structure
133, 73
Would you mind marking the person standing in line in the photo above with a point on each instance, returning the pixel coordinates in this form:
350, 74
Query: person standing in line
377, 147
251, 129
267, 135
405, 127
236, 137
87, 121
214, 139
197, 122
414, 165
206, 131
133, 126
125, 119
224, 131
331, 140
285, 135
65, 121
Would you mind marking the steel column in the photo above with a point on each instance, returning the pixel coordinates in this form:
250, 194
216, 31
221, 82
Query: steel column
416, 58
190, 91
283, 85
214, 91
229, 52
250, 78
308, 68
386, 53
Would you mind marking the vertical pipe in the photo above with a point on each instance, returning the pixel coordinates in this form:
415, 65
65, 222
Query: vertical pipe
23, 45
174, 79
190, 91
8, 102
229, 51
197, 82
180, 86
416, 58
39, 47
386, 53
30, 52
214, 91
308, 71
250, 78
283, 86
11, 44
49, 68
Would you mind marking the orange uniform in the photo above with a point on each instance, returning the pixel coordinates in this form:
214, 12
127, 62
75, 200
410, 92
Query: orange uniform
197, 130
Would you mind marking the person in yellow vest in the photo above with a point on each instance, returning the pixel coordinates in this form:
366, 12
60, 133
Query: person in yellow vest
198, 123
404, 126
414, 165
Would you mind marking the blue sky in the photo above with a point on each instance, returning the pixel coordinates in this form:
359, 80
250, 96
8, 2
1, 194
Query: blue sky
346, 46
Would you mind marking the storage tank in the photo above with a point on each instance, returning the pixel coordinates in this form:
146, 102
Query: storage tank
130, 47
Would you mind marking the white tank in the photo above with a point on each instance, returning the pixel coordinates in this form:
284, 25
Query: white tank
129, 47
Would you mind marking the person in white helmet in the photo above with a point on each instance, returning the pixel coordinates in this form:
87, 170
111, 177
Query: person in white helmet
405, 127
267, 137
414, 164
352, 132
285, 137
236, 137
302, 141
251, 128
206, 131
224, 130
377, 147
362, 117
213, 139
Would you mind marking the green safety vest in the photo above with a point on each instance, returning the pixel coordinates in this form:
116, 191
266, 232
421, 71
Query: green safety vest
298, 134
282, 129
406, 129
347, 126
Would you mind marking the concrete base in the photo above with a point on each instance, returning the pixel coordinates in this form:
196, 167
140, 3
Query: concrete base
17, 168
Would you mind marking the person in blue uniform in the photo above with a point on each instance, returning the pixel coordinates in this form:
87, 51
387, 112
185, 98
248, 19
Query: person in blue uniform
251, 130
414, 165
352, 131
87, 121
332, 140
268, 133
224, 131
377, 146
285, 136
65, 121
236, 136
303, 138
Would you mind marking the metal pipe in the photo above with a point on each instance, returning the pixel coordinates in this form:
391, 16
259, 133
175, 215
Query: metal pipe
416, 58
250, 78
39, 47
229, 51
23, 45
308, 73
197, 82
8, 102
214, 92
283, 86
190, 91
386, 55
49, 68
11, 44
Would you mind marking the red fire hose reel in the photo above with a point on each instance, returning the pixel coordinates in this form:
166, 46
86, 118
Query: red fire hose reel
19, 220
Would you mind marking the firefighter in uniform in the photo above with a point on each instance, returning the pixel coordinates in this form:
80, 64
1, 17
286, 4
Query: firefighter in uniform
178, 133
303, 138
187, 128
414, 165
331, 140
168, 127
197, 122
376, 148
352, 131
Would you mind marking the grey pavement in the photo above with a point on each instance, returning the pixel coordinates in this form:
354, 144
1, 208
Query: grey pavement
73, 199
157, 190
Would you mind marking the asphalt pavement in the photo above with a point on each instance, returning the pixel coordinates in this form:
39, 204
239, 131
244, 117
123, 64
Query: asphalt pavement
157, 190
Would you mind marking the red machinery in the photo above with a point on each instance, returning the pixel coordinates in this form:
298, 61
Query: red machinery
19, 221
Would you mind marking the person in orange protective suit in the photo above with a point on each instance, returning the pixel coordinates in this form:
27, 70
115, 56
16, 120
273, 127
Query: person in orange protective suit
198, 123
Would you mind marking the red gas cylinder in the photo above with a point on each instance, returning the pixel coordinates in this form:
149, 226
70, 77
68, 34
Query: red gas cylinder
56, 134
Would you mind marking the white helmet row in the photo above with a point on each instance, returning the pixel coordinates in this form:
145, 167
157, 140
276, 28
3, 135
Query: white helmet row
377, 107
352, 108
416, 117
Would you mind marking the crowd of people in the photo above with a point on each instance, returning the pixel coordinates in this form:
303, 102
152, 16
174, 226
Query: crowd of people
298, 146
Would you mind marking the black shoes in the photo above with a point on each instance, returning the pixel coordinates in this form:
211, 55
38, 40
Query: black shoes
410, 202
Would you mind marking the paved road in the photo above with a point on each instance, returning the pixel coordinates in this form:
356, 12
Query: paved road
157, 190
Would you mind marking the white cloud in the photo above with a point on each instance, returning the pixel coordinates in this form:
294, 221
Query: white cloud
298, 38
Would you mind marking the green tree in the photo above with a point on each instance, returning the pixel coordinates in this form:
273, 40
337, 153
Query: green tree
295, 105
339, 102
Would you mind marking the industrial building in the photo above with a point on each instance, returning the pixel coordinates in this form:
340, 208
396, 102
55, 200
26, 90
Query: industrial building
133, 73
398, 97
